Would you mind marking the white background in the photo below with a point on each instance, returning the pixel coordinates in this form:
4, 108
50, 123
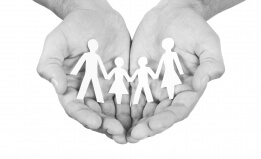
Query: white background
225, 124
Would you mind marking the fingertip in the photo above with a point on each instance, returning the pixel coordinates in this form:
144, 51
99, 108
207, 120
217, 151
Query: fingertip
130, 139
113, 126
161, 121
203, 82
140, 131
207, 71
54, 74
120, 139
59, 87
93, 121
61, 83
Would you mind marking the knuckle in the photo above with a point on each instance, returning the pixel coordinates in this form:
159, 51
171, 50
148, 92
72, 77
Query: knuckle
220, 70
69, 112
183, 115
40, 70
72, 110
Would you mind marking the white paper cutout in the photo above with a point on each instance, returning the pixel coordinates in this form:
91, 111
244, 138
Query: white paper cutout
142, 74
169, 58
92, 60
118, 87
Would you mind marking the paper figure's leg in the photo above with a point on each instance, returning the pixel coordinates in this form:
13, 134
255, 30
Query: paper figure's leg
137, 94
118, 98
148, 93
83, 88
97, 90
170, 90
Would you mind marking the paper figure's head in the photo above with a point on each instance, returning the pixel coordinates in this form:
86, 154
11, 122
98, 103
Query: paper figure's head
93, 45
167, 44
142, 61
119, 62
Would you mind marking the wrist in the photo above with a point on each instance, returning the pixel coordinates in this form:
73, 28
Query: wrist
200, 6
64, 7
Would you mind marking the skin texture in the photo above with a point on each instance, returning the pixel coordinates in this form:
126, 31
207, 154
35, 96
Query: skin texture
62, 49
199, 51
197, 45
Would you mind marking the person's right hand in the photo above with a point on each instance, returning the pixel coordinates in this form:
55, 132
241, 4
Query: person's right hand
62, 49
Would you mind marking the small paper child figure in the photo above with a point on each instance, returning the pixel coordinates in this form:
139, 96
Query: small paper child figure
92, 60
169, 58
118, 87
142, 74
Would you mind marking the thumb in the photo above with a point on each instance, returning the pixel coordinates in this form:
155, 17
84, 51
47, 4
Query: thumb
51, 61
54, 74
207, 71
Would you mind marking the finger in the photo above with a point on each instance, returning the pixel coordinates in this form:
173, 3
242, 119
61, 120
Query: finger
185, 86
162, 105
108, 108
112, 126
77, 110
109, 123
149, 109
129, 137
51, 60
181, 107
120, 139
93, 104
211, 64
136, 110
123, 112
153, 125
141, 131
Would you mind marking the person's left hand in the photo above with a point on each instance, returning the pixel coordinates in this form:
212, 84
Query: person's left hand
199, 51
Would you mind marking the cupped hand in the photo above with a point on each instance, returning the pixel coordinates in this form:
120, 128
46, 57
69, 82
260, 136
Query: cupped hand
198, 48
62, 49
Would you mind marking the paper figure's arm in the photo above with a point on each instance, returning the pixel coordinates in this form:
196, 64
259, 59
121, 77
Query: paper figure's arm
126, 75
152, 74
110, 74
104, 72
78, 65
177, 62
159, 67
134, 76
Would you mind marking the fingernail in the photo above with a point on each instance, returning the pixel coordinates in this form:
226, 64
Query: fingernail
203, 82
54, 82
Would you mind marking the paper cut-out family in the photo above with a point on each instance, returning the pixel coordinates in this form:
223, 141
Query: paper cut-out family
93, 60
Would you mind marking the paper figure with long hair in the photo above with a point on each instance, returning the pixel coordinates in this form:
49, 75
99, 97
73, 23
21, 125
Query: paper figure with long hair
169, 59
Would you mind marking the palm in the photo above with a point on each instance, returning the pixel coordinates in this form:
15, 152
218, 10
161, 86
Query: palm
191, 35
70, 39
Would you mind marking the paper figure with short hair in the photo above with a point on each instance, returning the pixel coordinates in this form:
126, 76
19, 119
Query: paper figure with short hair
169, 58
118, 87
143, 79
91, 60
